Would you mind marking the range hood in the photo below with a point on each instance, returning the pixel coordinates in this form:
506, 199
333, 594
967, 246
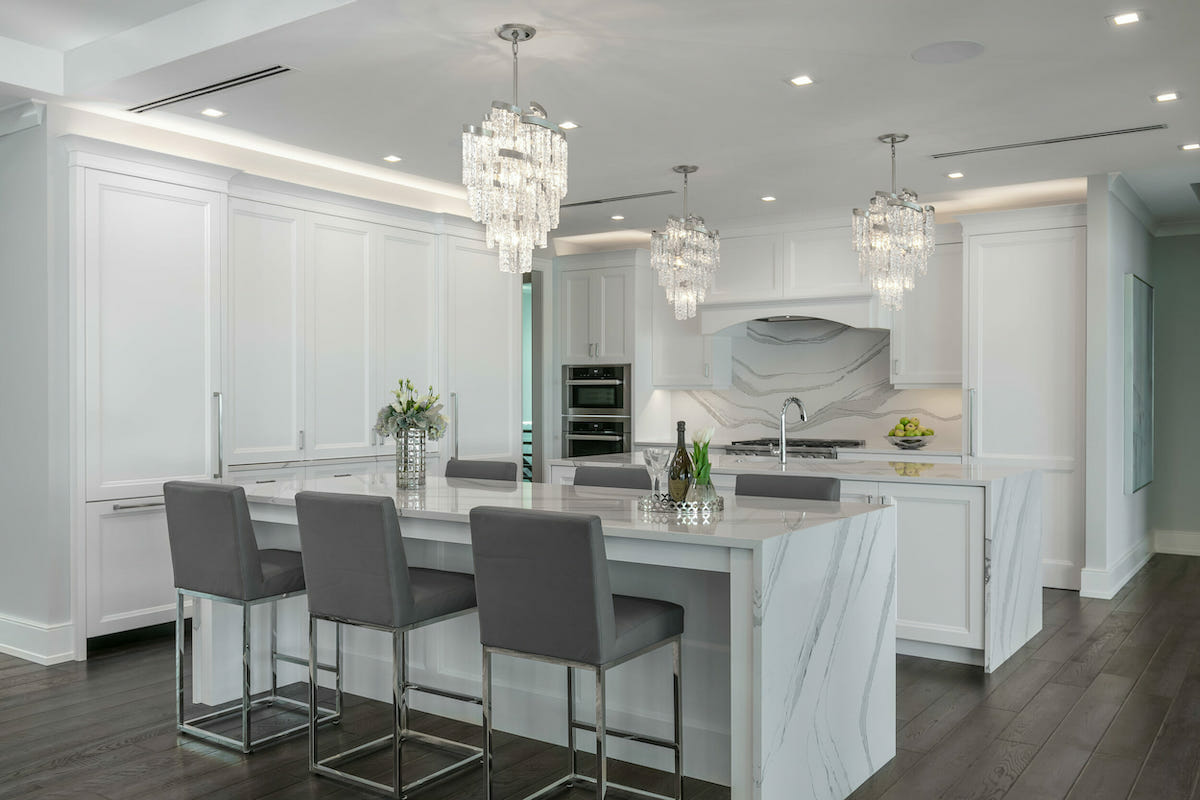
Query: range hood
856, 311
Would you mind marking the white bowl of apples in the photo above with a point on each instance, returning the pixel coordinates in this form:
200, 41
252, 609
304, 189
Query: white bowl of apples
909, 434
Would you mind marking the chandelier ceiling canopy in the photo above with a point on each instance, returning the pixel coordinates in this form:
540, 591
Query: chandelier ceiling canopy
515, 171
686, 256
894, 237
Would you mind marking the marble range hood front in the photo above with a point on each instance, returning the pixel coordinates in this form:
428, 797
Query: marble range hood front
854, 310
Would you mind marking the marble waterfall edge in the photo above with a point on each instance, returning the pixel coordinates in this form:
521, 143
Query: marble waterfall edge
828, 701
1013, 566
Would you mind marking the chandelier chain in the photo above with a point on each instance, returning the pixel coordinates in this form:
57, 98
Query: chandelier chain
515, 44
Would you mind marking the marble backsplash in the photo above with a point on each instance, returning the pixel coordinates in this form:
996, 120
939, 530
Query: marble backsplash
840, 373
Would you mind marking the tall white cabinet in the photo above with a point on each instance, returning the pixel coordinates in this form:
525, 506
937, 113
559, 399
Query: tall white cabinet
1024, 362
226, 321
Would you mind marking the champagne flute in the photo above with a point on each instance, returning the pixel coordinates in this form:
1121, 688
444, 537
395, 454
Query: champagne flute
656, 463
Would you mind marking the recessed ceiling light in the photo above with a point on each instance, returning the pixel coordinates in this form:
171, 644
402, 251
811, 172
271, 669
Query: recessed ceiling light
1192, 146
392, 159
1126, 18
954, 175
1166, 97
212, 112
568, 126
800, 80
618, 217
768, 199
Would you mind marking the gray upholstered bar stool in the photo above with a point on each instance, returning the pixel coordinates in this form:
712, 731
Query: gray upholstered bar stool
484, 470
214, 556
358, 574
544, 594
613, 477
792, 487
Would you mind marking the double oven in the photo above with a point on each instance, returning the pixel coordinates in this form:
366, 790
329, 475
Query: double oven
596, 410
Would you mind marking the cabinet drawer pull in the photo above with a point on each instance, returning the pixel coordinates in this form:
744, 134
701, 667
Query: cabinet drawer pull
130, 506
342, 475
220, 473
266, 480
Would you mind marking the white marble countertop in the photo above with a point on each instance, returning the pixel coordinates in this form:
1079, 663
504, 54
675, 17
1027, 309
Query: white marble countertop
874, 445
746, 522
845, 468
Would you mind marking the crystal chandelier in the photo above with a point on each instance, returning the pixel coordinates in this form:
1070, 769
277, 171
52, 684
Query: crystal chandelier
515, 171
686, 256
893, 237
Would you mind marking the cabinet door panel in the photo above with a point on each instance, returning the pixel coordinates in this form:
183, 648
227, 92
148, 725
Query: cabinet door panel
264, 402
612, 307
927, 332
338, 338
939, 563
484, 335
749, 269
152, 287
574, 316
683, 357
821, 263
130, 583
408, 342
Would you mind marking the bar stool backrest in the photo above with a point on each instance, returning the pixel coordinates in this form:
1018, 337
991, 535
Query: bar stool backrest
541, 578
213, 549
613, 477
354, 563
484, 470
792, 487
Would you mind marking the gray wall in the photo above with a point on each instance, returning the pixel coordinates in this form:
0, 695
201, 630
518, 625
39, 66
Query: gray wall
32, 585
1177, 386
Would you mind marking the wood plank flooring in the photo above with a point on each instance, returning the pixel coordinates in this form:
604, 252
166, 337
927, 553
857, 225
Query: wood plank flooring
1103, 704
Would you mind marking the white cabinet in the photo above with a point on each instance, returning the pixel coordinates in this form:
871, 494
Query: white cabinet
927, 333
940, 558
408, 338
483, 331
821, 263
596, 315
130, 583
1025, 361
682, 356
339, 403
151, 259
750, 269
264, 397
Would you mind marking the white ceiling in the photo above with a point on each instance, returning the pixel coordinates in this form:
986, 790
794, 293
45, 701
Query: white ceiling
67, 24
655, 84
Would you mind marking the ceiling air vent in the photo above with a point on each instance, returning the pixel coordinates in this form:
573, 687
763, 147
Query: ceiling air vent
617, 199
1039, 142
240, 80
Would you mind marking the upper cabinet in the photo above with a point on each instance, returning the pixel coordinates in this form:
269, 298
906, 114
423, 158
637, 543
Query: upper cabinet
151, 275
927, 332
821, 263
750, 269
684, 358
596, 315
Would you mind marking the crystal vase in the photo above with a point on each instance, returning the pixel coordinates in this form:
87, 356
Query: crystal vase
410, 458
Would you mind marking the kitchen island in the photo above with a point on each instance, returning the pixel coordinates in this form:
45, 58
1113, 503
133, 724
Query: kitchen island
969, 575
788, 654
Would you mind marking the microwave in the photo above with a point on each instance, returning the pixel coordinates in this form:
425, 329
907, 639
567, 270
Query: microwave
596, 391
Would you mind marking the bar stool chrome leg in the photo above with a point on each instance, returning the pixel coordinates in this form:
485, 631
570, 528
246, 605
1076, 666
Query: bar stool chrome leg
572, 753
487, 724
678, 693
601, 733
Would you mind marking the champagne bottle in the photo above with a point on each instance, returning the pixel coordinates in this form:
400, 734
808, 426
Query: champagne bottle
679, 476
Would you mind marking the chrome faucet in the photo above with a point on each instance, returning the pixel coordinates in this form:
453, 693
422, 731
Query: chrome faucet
783, 425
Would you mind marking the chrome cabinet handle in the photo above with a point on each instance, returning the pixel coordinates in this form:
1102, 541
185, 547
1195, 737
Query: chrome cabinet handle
896, 366
220, 473
301, 438
593, 437
454, 419
147, 504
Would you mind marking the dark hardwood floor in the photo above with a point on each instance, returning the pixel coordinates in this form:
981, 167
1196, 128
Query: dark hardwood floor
1103, 704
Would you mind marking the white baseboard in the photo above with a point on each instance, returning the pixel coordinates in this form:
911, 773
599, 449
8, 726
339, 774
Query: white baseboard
1060, 574
1183, 543
33, 641
1104, 584
940, 652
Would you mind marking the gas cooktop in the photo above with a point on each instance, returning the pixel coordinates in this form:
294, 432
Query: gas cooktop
803, 448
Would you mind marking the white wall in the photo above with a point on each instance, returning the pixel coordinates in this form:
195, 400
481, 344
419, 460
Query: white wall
1118, 531
34, 571
1173, 516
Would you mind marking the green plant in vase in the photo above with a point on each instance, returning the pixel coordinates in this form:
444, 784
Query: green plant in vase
703, 466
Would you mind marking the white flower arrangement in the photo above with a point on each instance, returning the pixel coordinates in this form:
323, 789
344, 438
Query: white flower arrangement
410, 410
